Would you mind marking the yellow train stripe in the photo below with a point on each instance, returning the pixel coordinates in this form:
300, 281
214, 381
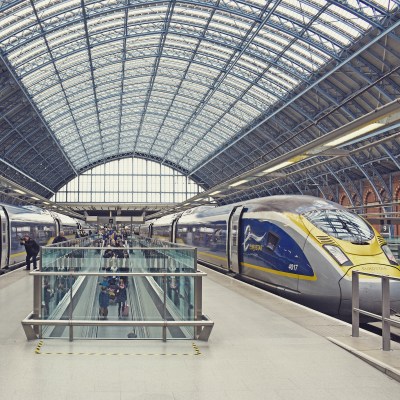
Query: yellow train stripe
40, 344
211, 255
265, 269
22, 253
281, 273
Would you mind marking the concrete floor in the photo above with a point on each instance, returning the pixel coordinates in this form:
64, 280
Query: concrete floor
261, 347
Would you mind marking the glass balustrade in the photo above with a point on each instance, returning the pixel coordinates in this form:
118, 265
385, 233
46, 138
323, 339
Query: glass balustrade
145, 290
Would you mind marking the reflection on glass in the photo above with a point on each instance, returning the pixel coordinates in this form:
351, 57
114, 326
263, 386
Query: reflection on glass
113, 292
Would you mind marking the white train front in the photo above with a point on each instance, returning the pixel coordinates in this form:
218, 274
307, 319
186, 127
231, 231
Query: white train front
300, 246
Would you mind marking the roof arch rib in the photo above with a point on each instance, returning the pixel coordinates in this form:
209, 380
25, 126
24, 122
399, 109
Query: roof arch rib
211, 88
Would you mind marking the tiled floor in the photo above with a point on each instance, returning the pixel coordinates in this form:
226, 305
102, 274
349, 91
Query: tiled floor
262, 347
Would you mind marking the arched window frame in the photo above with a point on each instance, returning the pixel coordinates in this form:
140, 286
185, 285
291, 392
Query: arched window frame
128, 180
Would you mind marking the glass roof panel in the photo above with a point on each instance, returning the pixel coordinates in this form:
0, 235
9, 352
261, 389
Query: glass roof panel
165, 78
345, 20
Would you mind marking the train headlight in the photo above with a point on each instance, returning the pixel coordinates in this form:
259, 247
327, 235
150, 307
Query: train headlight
389, 254
337, 254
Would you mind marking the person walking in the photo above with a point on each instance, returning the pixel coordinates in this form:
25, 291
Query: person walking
32, 250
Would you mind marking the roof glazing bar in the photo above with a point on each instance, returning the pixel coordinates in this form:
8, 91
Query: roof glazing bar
302, 93
11, 71
26, 175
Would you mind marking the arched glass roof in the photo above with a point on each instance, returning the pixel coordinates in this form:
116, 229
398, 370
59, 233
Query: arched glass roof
175, 80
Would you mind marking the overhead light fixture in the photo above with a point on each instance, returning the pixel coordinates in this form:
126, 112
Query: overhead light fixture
45, 202
355, 134
276, 167
239, 183
378, 121
201, 199
187, 204
334, 152
34, 198
19, 191
284, 164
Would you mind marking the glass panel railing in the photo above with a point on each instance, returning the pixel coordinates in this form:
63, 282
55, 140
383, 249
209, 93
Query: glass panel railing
143, 284
104, 297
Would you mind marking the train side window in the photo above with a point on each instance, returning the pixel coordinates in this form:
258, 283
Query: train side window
272, 241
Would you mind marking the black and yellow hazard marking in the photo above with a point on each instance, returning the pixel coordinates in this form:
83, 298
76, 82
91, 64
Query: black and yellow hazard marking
38, 350
38, 347
196, 349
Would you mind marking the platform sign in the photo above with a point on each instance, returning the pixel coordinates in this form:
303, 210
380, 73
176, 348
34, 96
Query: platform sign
386, 228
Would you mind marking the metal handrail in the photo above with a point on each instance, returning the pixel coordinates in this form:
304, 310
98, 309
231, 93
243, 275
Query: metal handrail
387, 322
30, 322
72, 273
203, 325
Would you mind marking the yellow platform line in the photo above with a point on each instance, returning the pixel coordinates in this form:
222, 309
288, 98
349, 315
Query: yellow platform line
38, 350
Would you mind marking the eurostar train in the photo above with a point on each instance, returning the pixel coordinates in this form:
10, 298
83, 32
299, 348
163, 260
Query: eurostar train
303, 247
41, 225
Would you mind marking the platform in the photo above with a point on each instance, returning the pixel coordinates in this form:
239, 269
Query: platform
261, 347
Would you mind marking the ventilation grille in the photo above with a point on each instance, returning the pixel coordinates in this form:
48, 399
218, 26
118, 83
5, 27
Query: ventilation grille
381, 240
325, 240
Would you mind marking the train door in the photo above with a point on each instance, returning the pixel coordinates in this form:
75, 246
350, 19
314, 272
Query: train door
58, 226
57, 223
173, 230
5, 239
233, 239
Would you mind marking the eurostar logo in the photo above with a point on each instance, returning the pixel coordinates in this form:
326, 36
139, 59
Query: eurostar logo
250, 236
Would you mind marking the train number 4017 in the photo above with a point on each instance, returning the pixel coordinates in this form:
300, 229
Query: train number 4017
293, 267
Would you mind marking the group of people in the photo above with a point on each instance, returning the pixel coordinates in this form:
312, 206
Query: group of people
111, 236
115, 257
117, 293
112, 288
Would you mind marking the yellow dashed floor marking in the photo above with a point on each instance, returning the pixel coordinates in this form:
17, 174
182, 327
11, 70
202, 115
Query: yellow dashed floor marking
38, 350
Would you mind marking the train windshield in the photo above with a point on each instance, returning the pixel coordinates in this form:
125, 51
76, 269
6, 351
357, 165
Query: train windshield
341, 224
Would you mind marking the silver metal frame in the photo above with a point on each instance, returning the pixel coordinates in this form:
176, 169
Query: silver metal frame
387, 322
33, 323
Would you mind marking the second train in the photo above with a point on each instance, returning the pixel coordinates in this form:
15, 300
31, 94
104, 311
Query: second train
303, 247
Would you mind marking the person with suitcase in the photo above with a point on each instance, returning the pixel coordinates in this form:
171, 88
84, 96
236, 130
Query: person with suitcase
104, 301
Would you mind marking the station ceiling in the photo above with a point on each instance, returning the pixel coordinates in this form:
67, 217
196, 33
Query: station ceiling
212, 88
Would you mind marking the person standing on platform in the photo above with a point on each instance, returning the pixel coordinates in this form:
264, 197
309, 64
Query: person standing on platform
121, 297
104, 301
47, 296
60, 238
32, 250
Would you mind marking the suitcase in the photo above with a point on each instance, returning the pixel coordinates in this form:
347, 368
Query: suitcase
125, 310
103, 312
